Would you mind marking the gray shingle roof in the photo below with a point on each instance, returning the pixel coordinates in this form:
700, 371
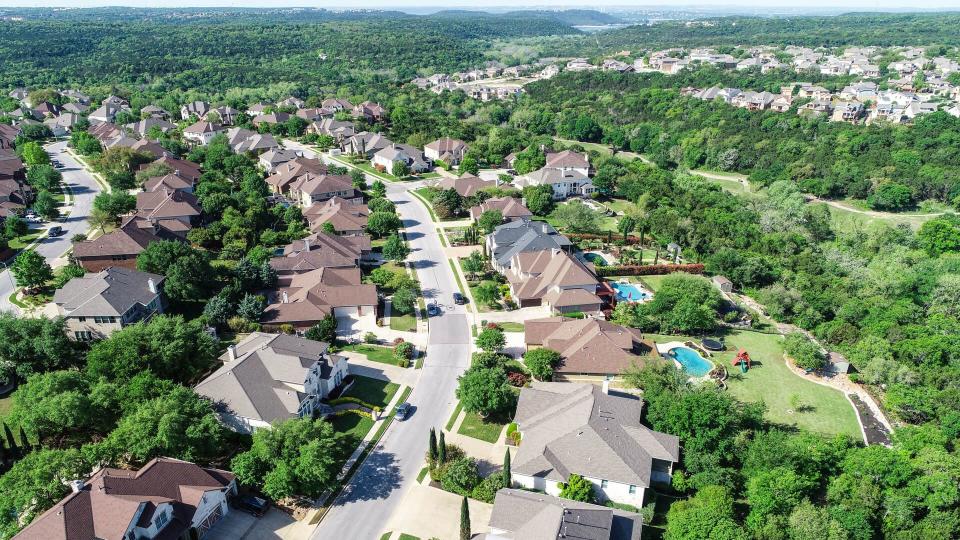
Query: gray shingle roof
577, 429
522, 235
535, 516
110, 292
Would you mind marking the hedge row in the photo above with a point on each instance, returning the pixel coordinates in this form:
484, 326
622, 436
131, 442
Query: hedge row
611, 238
648, 269
351, 399
353, 411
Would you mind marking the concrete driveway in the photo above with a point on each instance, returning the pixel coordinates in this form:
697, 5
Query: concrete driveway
239, 525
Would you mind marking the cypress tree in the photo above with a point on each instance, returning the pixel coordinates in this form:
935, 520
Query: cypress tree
11, 442
433, 446
441, 450
24, 441
506, 468
464, 520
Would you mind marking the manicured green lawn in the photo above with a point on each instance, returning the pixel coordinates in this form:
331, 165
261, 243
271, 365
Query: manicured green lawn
481, 307
511, 326
351, 429
619, 206
652, 282
386, 535
25, 240
479, 428
453, 416
772, 382
405, 536
403, 323
422, 474
426, 193
5, 405
373, 391
375, 353
457, 277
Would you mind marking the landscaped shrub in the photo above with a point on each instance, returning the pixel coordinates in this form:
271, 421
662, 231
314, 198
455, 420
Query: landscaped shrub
461, 477
487, 489
515, 378
648, 269
370, 338
403, 351
352, 411
351, 399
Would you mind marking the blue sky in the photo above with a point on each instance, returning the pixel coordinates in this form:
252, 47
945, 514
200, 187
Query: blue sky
879, 5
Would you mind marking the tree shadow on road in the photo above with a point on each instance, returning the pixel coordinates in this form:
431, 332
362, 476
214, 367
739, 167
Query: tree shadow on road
375, 480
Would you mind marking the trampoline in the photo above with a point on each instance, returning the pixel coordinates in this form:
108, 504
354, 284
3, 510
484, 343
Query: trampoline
712, 344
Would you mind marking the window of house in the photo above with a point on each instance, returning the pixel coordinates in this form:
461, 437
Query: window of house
633, 490
82, 319
83, 335
161, 519
603, 484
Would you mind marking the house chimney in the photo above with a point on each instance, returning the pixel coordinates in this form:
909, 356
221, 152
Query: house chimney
232, 352
152, 285
606, 386
76, 486
306, 244
286, 299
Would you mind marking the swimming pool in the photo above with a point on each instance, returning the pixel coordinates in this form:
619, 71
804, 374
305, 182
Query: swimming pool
595, 258
629, 292
692, 362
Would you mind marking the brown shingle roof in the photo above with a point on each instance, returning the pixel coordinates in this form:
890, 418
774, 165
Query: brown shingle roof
589, 345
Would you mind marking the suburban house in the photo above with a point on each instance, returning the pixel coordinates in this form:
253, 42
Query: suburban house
466, 185
120, 246
180, 167
168, 182
8, 134
243, 140
509, 207
202, 132
578, 428
166, 499
521, 236
385, 158
337, 129
369, 111
568, 160
314, 114
288, 173
565, 182
337, 104
271, 159
447, 150
270, 119
272, 377
524, 515
197, 109
97, 305
174, 210
227, 115
366, 143
311, 189
304, 299
144, 126
105, 113
346, 218
555, 279
322, 250
153, 111
592, 350
62, 125
291, 101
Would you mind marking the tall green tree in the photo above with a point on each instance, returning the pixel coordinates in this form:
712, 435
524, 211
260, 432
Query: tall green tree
31, 270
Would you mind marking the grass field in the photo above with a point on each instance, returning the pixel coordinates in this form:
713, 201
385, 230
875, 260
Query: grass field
373, 391
5, 405
25, 240
481, 307
826, 410
350, 429
453, 416
374, 353
403, 323
511, 326
479, 428
652, 282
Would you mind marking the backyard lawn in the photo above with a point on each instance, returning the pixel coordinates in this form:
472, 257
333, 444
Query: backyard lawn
373, 391
403, 323
824, 410
5, 405
374, 353
511, 326
351, 429
652, 282
479, 428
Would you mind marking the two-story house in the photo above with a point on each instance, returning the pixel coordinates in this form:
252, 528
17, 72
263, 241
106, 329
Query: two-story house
577, 428
271, 377
167, 499
97, 305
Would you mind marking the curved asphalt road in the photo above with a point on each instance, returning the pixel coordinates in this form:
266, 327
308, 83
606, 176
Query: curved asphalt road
363, 509
84, 189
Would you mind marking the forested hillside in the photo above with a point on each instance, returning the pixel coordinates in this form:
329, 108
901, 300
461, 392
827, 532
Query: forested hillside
172, 50
860, 29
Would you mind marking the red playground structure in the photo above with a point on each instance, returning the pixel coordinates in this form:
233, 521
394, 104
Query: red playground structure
742, 360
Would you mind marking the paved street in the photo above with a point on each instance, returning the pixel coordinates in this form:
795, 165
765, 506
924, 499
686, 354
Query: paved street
84, 189
375, 492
